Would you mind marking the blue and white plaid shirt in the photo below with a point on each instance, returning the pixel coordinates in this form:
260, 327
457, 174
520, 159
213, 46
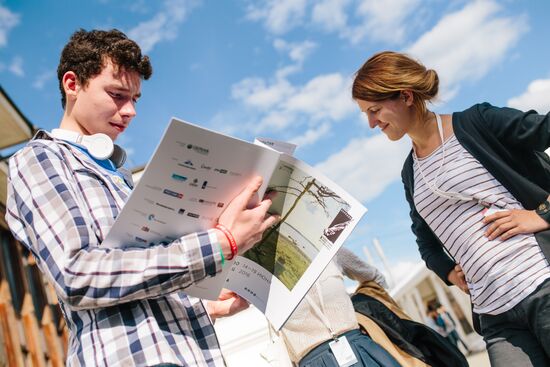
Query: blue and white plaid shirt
123, 307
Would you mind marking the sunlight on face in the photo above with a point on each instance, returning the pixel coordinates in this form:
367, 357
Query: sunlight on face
391, 116
107, 103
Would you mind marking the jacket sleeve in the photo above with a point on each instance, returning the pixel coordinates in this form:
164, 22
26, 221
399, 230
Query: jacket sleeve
517, 128
355, 268
430, 248
46, 212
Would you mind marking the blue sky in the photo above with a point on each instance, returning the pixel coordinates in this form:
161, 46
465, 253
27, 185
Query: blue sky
283, 68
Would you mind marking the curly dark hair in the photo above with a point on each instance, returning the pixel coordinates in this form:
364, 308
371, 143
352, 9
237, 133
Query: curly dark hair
87, 52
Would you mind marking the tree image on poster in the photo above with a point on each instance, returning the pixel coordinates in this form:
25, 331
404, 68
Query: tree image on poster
288, 248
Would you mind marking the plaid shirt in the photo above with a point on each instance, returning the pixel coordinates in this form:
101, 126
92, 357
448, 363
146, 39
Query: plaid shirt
123, 306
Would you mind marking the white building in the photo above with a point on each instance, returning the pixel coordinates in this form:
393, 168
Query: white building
421, 287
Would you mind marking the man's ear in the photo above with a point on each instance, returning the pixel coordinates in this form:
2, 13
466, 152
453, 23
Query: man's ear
71, 86
408, 97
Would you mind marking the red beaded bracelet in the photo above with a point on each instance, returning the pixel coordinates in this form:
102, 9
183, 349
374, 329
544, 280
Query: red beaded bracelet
230, 239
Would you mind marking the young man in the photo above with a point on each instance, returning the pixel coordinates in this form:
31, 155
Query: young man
122, 306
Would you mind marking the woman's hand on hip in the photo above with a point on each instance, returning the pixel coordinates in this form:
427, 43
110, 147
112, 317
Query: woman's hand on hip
508, 223
457, 277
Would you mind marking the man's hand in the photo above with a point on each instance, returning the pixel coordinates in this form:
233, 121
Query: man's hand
457, 277
247, 225
508, 223
228, 304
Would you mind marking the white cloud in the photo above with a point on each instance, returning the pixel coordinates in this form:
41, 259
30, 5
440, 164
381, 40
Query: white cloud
163, 26
279, 16
352, 20
16, 66
275, 104
311, 135
298, 51
8, 20
330, 14
257, 93
466, 44
42, 79
325, 98
304, 113
377, 22
537, 97
366, 166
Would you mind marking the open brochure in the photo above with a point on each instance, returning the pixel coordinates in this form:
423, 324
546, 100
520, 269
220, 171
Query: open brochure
193, 175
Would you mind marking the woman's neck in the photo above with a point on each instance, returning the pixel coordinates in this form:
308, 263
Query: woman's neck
425, 135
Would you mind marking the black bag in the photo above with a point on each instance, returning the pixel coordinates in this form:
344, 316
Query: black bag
417, 339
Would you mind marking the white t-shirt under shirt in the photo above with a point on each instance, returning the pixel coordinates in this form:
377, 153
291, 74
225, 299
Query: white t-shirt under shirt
499, 273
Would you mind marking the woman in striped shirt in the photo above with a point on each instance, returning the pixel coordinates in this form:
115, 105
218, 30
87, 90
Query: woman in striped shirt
478, 187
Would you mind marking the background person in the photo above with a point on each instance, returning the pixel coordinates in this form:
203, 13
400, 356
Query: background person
445, 325
478, 185
327, 314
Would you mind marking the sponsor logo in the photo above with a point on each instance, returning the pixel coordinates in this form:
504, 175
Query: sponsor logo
164, 206
192, 215
172, 193
187, 164
156, 188
205, 185
205, 167
339, 223
152, 218
206, 202
181, 211
220, 170
197, 149
177, 177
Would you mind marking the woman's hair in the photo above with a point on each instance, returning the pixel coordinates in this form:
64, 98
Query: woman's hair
87, 52
386, 74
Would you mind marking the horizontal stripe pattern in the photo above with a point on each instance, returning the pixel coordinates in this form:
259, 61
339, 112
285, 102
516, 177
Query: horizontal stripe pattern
499, 273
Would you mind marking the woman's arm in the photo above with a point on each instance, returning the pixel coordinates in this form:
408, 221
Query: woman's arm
355, 268
526, 130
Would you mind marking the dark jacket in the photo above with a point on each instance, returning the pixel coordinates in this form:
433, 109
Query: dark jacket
510, 144
416, 339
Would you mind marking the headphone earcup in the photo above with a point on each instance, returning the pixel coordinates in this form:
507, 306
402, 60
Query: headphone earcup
118, 157
99, 146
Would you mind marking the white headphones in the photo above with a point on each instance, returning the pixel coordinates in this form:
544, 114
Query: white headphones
99, 146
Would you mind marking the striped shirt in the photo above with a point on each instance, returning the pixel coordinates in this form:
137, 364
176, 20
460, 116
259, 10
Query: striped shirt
124, 306
499, 273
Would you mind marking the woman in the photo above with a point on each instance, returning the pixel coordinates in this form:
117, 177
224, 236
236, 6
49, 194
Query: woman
478, 185
324, 323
